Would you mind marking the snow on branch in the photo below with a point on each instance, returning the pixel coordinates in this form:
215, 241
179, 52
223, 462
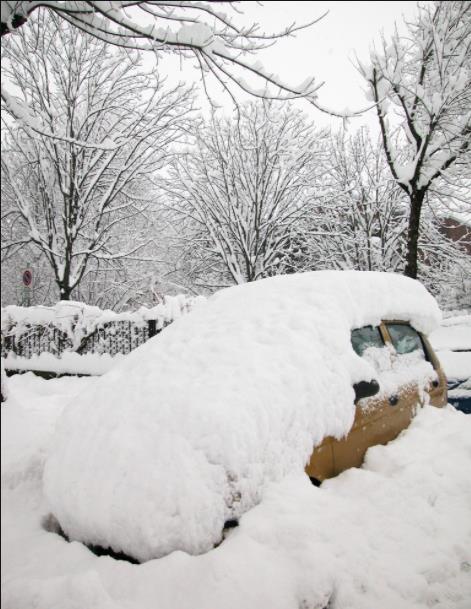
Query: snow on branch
247, 186
197, 30
20, 110
421, 85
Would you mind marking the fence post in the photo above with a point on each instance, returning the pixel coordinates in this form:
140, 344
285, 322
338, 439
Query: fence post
152, 325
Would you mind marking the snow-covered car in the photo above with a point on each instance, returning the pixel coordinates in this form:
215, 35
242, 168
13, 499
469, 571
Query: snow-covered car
190, 429
452, 342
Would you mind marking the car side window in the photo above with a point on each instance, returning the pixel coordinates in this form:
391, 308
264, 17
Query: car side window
366, 337
405, 339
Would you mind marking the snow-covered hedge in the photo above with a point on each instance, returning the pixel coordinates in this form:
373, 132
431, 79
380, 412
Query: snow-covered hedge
74, 327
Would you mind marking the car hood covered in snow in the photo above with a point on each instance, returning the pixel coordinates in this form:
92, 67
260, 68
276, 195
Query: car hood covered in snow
186, 431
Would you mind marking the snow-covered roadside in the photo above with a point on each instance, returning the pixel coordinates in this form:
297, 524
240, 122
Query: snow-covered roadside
456, 364
395, 534
452, 343
453, 334
28, 421
67, 363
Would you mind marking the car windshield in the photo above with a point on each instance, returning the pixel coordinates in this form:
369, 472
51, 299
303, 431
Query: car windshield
405, 339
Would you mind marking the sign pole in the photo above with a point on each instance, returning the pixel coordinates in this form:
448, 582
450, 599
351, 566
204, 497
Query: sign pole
27, 279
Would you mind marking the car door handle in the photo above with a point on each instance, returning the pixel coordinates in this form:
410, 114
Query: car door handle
393, 400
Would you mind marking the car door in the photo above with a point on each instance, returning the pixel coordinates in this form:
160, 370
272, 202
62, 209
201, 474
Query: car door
333, 456
407, 341
437, 389
379, 420
372, 424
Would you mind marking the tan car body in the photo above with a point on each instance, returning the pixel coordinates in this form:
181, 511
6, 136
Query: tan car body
377, 420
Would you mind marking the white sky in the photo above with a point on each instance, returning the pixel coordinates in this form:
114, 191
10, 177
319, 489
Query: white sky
326, 50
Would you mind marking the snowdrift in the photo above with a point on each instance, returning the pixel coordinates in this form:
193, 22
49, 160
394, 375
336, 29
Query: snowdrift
186, 432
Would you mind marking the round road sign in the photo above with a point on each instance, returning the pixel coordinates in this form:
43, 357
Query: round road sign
27, 278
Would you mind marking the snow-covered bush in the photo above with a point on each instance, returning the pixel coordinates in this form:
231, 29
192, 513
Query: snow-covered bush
186, 432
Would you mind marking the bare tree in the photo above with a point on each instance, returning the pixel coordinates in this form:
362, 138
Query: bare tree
445, 263
421, 84
202, 31
247, 185
191, 263
360, 224
71, 195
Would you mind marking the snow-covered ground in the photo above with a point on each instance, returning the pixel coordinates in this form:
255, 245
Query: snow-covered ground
67, 363
395, 534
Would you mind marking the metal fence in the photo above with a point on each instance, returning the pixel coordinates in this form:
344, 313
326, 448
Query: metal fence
111, 337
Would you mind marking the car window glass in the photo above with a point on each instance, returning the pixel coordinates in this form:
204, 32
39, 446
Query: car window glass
366, 337
405, 339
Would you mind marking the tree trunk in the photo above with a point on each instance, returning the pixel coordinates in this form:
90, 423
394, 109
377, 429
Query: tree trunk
416, 201
16, 22
65, 292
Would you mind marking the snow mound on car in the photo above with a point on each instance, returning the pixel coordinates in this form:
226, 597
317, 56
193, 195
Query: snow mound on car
185, 433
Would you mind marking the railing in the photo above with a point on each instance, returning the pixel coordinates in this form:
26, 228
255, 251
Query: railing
70, 327
112, 338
